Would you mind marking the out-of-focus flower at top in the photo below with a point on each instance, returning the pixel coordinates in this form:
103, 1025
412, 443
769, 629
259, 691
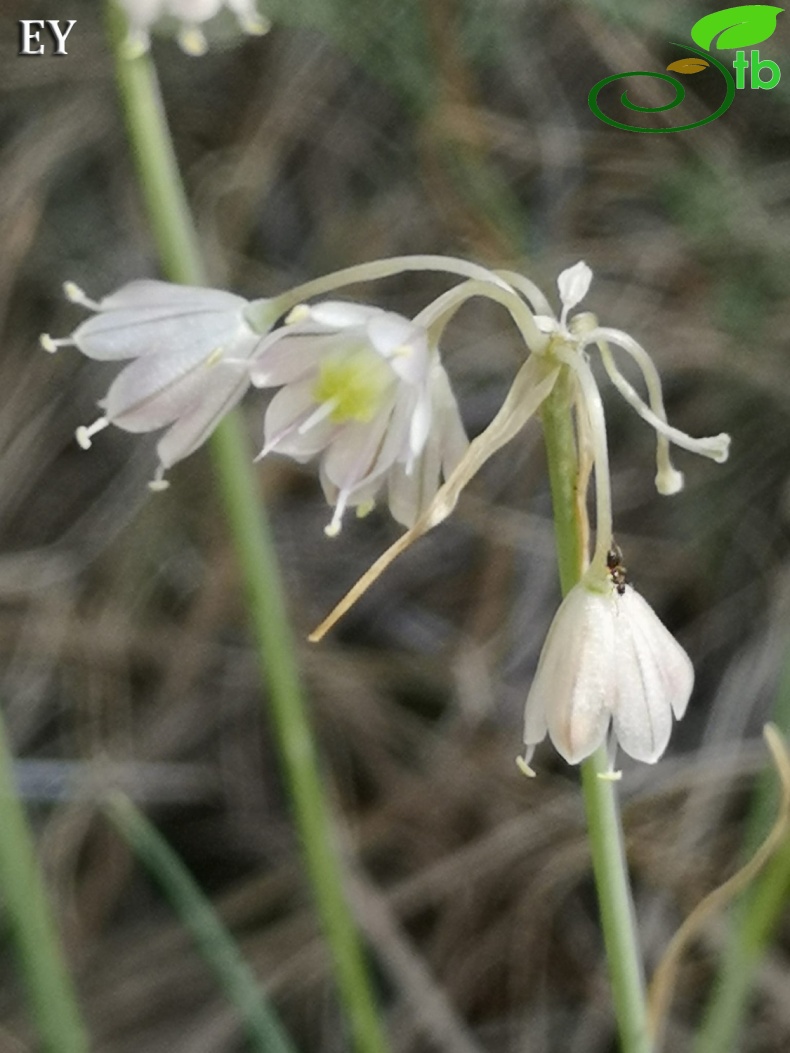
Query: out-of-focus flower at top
365, 389
190, 14
190, 348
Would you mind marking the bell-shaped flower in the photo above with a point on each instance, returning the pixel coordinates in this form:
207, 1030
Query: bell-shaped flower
364, 389
608, 667
190, 14
190, 349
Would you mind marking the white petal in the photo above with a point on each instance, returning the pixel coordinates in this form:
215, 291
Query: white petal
287, 355
290, 407
573, 285
337, 315
147, 294
153, 391
134, 332
575, 677
193, 428
675, 666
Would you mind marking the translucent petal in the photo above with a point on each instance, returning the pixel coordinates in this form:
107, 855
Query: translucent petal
574, 284
674, 665
640, 707
338, 315
290, 407
193, 427
135, 332
286, 356
153, 391
574, 682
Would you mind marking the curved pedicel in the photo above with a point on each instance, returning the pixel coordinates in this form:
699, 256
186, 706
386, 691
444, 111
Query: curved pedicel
680, 94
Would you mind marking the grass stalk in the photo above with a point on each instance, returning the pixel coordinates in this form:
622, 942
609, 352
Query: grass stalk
174, 234
215, 943
33, 929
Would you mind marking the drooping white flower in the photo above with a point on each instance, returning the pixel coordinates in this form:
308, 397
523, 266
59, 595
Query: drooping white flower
364, 389
608, 662
191, 14
190, 348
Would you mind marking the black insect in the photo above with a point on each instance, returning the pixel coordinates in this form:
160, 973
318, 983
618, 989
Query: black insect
617, 572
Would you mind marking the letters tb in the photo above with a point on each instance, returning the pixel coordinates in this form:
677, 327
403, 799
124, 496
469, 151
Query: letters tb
30, 42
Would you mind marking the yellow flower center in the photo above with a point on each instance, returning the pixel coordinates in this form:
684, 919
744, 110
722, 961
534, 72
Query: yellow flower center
356, 381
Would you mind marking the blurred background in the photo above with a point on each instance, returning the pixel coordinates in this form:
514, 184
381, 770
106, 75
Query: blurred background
355, 130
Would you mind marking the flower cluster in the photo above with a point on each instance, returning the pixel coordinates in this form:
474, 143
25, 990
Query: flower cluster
364, 391
190, 15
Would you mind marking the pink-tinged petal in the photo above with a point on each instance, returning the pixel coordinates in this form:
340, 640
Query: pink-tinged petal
153, 391
575, 677
193, 428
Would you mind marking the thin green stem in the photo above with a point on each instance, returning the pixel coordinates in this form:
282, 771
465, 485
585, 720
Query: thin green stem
49, 988
172, 227
618, 921
200, 919
755, 918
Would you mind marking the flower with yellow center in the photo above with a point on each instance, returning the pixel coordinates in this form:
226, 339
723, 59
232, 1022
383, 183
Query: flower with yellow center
364, 389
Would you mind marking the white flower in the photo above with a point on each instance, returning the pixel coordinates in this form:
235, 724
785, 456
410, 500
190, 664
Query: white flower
365, 389
190, 348
191, 14
583, 330
607, 661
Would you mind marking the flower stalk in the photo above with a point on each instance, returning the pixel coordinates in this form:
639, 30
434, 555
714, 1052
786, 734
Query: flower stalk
618, 922
175, 238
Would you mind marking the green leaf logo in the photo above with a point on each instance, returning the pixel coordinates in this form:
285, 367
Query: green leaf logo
736, 27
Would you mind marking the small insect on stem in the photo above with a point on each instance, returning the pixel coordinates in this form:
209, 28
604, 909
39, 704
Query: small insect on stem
617, 572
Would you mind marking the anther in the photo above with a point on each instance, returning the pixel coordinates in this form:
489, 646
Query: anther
84, 433
73, 293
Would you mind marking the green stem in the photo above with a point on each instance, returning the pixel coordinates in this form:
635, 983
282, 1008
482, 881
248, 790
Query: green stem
174, 233
199, 917
755, 918
604, 824
49, 987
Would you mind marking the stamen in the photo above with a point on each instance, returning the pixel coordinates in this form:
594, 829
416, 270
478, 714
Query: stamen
83, 433
215, 357
300, 313
158, 483
522, 763
51, 344
333, 528
365, 509
321, 413
76, 295
255, 25
404, 351
192, 41
611, 774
